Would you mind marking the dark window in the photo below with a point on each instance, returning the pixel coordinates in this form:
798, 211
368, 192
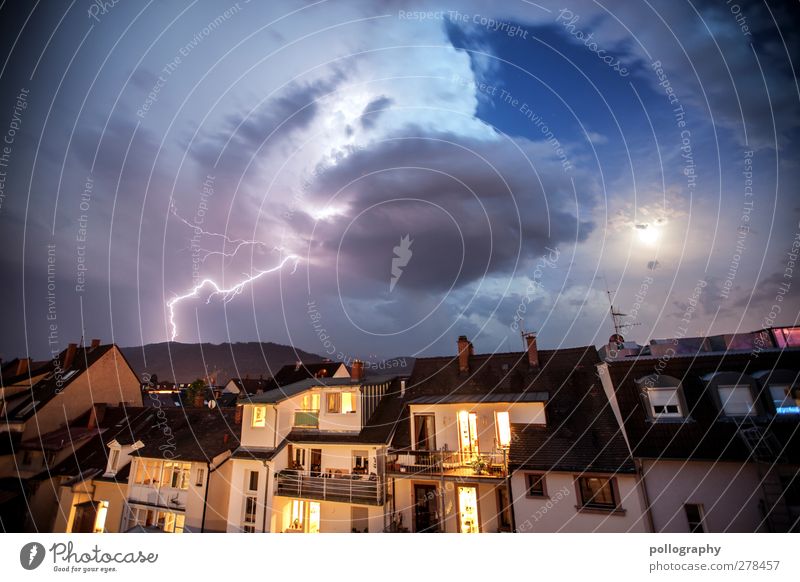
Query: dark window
253, 483
597, 492
425, 432
534, 483
694, 515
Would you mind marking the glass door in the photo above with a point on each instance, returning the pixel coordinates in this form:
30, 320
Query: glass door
468, 510
468, 435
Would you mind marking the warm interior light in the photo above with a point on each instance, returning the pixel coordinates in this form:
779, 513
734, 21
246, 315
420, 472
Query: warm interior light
503, 429
100, 518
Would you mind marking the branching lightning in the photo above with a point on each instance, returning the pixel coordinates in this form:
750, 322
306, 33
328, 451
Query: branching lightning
226, 293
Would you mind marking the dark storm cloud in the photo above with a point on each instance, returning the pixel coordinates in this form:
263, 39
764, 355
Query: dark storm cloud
277, 119
459, 199
373, 110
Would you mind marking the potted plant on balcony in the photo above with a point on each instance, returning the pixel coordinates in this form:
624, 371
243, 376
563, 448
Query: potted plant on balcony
479, 465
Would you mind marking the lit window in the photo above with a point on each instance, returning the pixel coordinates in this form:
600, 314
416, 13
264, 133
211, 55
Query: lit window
694, 515
348, 402
259, 417
535, 485
298, 514
341, 402
176, 475
664, 403
503, 429
597, 492
310, 402
250, 505
736, 400
100, 518
360, 462
147, 472
782, 398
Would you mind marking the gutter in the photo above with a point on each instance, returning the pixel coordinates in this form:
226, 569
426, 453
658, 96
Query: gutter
208, 486
643, 487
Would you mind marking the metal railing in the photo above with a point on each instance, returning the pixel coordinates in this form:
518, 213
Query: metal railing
492, 464
347, 487
306, 418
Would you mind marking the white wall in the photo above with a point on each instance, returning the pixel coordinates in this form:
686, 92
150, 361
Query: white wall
729, 493
559, 512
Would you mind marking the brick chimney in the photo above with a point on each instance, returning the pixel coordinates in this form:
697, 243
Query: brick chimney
533, 351
69, 356
95, 343
237, 418
357, 372
464, 352
96, 415
23, 366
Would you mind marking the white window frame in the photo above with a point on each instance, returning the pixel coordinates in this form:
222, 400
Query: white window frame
673, 400
734, 388
787, 391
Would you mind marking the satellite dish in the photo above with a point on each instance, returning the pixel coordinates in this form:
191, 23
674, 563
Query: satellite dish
212, 404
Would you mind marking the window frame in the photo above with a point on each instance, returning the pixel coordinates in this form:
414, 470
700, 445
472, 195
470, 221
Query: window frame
753, 400
593, 506
542, 481
665, 415
700, 523
200, 478
251, 476
256, 420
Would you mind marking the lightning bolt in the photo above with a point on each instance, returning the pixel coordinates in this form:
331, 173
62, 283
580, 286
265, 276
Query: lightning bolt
231, 292
237, 242
402, 254
227, 294
34, 551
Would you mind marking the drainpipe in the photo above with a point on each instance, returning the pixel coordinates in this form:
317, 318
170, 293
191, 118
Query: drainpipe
643, 487
266, 492
275, 431
205, 497
510, 494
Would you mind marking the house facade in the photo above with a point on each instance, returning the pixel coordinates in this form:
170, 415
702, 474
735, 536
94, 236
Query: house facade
312, 457
714, 432
519, 441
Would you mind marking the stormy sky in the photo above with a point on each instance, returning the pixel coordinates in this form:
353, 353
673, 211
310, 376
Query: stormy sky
532, 155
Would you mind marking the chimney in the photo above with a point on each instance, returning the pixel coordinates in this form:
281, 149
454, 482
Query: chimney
533, 351
464, 352
237, 419
95, 343
96, 415
23, 366
357, 372
69, 356
225, 437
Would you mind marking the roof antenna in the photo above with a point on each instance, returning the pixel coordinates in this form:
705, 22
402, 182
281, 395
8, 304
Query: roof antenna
617, 319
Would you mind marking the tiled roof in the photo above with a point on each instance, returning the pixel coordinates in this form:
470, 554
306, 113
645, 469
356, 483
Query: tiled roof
279, 394
291, 373
253, 385
52, 384
708, 435
190, 434
581, 430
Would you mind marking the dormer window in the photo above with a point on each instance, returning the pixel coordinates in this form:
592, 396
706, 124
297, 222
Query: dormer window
783, 400
662, 398
664, 403
736, 400
113, 461
259, 419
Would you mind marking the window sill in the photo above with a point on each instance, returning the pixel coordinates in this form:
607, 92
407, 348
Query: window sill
601, 510
540, 497
672, 420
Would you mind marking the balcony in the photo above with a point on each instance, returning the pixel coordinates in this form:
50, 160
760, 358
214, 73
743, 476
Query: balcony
306, 418
447, 463
346, 488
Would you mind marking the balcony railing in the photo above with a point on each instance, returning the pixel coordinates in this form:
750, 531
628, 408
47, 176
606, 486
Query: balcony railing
348, 488
447, 462
306, 418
